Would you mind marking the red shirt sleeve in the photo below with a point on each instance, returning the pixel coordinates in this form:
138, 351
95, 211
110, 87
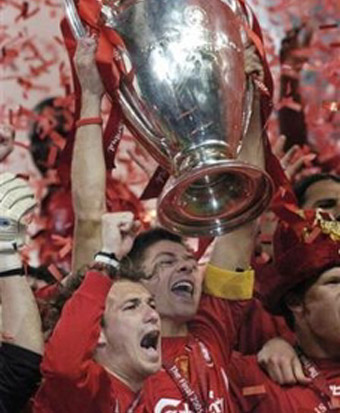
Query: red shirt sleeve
217, 324
47, 292
69, 351
259, 326
249, 384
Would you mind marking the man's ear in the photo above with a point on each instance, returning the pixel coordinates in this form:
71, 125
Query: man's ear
102, 340
294, 303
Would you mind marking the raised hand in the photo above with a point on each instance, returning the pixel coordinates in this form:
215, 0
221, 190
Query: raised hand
86, 67
293, 160
119, 230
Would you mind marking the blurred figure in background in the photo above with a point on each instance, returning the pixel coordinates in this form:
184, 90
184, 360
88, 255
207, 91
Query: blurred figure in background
319, 191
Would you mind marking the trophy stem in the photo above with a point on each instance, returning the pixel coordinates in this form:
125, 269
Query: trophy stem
207, 153
215, 198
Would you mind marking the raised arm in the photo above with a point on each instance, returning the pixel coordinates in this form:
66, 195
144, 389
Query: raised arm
22, 339
233, 251
228, 283
88, 164
21, 322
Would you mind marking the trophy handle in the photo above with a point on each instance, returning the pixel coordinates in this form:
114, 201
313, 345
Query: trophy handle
73, 18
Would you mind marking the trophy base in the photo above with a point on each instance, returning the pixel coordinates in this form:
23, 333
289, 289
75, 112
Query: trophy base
212, 200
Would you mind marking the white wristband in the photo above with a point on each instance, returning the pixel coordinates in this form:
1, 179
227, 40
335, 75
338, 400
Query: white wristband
107, 259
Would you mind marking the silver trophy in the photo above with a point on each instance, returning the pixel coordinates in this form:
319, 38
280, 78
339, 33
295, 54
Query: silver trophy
189, 105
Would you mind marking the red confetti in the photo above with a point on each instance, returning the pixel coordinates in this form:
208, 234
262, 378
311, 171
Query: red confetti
51, 4
59, 40
67, 248
328, 26
313, 235
331, 106
25, 13
55, 272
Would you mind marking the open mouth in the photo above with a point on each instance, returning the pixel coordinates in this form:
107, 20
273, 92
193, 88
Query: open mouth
183, 288
150, 343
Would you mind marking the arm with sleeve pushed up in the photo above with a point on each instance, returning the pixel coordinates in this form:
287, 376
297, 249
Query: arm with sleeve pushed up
21, 321
88, 171
22, 343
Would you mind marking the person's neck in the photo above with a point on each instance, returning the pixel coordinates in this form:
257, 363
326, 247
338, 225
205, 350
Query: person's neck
134, 383
317, 348
172, 329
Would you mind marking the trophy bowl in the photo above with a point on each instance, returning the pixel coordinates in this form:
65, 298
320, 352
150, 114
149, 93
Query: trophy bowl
189, 103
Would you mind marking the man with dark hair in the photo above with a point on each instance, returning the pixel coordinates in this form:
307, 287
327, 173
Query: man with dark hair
320, 191
306, 291
146, 240
107, 341
22, 341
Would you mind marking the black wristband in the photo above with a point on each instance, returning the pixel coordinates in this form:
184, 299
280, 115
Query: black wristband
110, 255
11, 273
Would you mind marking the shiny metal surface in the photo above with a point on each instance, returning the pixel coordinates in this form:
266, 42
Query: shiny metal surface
186, 57
189, 105
76, 24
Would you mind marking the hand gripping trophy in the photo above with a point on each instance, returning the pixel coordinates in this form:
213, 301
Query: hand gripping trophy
189, 104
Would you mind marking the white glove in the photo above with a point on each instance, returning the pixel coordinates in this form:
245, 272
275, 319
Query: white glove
16, 200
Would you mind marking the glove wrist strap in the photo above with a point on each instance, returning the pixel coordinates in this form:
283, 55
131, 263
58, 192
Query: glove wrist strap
12, 273
10, 261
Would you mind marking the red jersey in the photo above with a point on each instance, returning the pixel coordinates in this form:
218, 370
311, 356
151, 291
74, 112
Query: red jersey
201, 358
259, 326
47, 292
73, 382
256, 392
